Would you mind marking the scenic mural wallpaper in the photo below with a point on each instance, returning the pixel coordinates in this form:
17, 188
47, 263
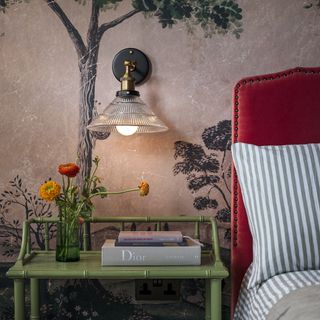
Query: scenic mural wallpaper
56, 77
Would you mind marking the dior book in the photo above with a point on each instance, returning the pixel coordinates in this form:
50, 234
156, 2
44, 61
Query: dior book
186, 253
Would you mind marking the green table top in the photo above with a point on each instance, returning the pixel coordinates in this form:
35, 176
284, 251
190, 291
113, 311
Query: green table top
42, 265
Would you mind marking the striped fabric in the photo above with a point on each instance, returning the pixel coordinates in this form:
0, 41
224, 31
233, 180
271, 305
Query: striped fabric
281, 193
255, 303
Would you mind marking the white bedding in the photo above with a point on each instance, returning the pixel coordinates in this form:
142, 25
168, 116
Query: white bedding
300, 304
256, 303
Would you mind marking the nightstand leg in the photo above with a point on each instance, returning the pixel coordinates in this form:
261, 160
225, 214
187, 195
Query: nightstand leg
19, 299
35, 299
208, 300
215, 289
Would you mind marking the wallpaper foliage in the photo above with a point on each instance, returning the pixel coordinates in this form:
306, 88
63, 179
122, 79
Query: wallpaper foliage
206, 172
213, 17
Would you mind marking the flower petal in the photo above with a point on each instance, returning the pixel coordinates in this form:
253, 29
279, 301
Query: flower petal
49, 191
144, 188
69, 169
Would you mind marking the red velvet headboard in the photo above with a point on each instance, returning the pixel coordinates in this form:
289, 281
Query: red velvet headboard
274, 109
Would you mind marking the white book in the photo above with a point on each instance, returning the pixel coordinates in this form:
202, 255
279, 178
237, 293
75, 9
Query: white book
150, 236
169, 254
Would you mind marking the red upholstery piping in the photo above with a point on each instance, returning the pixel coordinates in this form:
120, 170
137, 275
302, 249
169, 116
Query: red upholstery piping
273, 109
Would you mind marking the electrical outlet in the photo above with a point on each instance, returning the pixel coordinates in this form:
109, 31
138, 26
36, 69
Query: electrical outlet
157, 290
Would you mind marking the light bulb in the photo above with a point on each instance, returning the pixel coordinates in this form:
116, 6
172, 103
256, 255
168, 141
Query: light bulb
127, 130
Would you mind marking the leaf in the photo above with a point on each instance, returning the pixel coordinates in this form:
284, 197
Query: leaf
188, 150
197, 183
202, 203
145, 5
194, 159
224, 215
100, 189
227, 235
218, 137
181, 167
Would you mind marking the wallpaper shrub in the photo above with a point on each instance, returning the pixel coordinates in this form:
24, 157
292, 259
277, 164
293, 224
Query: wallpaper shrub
55, 75
208, 172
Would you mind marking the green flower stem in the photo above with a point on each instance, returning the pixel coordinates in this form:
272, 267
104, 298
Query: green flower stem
67, 240
68, 230
63, 190
107, 193
93, 175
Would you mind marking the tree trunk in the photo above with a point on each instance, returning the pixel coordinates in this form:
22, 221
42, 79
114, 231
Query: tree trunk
88, 73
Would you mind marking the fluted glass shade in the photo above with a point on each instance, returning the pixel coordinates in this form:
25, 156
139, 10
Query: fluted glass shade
125, 111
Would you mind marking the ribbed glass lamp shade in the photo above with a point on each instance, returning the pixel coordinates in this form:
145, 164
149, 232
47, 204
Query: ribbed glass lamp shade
124, 111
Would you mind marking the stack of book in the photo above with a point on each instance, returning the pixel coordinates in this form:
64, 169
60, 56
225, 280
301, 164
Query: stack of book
151, 248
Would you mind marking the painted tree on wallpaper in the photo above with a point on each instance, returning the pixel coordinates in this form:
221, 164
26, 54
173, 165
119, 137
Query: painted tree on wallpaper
15, 197
208, 172
213, 16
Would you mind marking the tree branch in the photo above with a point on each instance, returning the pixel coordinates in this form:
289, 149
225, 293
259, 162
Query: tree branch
223, 195
8, 233
222, 169
108, 25
72, 31
225, 182
93, 26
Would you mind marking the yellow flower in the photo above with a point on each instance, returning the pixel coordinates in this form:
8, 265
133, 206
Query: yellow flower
49, 190
144, 188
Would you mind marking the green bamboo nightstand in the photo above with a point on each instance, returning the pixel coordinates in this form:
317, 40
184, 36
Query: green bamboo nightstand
35, 265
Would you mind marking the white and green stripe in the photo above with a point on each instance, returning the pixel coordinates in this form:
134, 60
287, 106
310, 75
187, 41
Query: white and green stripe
281, 192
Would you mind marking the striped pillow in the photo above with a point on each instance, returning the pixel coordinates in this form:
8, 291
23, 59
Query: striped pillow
281, 192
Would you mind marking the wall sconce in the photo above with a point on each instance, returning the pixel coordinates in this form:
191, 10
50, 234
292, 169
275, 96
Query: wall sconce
127, 113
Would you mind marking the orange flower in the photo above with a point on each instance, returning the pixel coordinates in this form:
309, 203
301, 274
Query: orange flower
144, 188
49, 190
69, 169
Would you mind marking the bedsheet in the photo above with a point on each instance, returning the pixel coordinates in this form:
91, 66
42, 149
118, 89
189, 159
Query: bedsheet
257, 302
301, 304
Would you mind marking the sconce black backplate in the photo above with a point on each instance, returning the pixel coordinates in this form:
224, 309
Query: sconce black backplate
143, 65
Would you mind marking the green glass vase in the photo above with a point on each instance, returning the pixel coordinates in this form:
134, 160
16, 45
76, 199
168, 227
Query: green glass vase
67, 244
